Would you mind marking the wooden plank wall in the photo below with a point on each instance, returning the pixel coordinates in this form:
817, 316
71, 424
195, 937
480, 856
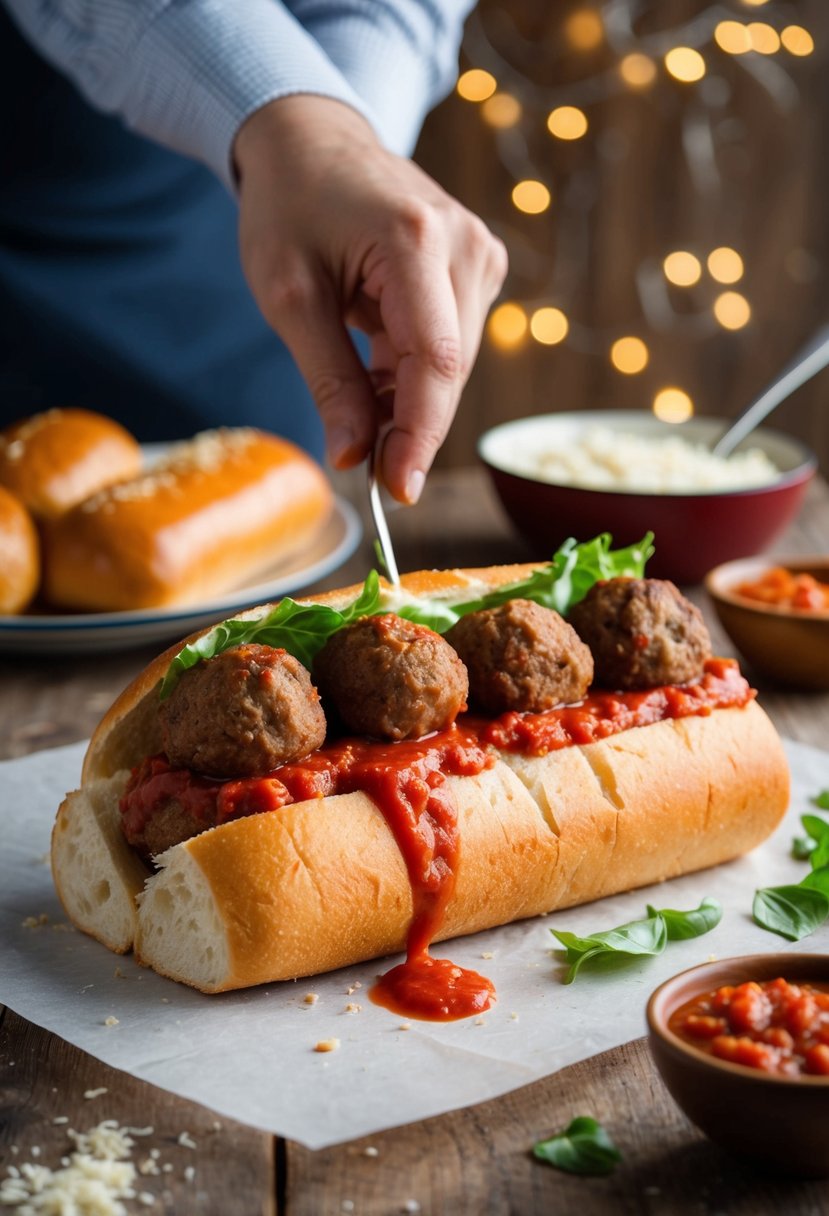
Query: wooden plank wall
625, 195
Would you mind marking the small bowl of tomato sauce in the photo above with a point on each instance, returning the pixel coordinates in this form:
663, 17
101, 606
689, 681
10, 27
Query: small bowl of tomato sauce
742, 1045
776, 612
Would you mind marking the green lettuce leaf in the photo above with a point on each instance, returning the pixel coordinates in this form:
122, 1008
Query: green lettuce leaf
303, 629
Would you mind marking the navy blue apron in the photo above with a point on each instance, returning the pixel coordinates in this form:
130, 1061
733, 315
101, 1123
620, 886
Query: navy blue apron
120, 283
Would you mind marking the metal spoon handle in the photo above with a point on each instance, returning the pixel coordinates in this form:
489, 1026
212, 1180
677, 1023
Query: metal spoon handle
379, 515
807, 363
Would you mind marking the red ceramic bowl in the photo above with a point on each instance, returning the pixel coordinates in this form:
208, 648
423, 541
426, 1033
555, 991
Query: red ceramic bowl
780, 1123
694, 531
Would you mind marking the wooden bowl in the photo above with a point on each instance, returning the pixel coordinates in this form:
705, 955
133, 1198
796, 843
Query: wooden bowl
777, 1122
788, 645
694, 530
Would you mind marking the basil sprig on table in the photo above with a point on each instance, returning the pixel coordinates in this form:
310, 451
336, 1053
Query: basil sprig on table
639, 937
795, 910
303, 629
584, 1147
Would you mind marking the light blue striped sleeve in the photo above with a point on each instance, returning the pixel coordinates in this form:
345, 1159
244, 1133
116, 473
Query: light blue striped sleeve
400, 56
188, 72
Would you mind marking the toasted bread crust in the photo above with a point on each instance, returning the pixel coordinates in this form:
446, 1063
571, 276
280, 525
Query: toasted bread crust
321, 884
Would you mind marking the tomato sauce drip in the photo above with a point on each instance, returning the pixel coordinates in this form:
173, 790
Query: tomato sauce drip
407, 782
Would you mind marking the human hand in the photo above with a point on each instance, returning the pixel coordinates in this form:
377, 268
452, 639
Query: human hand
335, 231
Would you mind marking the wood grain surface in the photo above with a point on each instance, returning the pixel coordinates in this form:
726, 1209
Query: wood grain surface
473, 1162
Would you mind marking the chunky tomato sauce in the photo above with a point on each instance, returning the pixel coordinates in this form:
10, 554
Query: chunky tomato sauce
776, 1027
787, 589
407, 781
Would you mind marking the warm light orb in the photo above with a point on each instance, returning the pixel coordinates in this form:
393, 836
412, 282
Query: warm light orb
567, 122
685, 64
507, 326
549, 326
476, 85
765, 39
725, 265
732, 37
673, 405
637, 70
531, 197
501, 111
732, 310
584, 29
682, 269
629, 355
755, 3
797, 41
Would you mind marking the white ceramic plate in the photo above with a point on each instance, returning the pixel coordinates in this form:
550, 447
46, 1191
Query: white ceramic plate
106, 631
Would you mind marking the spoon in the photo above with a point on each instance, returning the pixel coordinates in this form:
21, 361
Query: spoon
811, 359
374, 499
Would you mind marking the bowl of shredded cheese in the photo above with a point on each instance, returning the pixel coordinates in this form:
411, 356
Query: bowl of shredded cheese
626, 472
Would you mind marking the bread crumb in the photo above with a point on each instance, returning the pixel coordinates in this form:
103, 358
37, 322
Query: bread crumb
371, 1151
351, 1007
347, 1205
327, 1045
311, 998
167, 1167
405, 1026
119, 975
60, 1119
148, 1167
186, 1140
111, 1021
189, 1173
480, 1021
712, 958
487, 954
146, 1198
35, 1150
95, 1093
411, 1205
34, 922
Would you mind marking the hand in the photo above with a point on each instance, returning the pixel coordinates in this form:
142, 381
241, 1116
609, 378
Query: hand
335, 231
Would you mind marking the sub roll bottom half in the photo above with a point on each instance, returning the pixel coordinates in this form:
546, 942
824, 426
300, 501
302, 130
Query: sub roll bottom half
322, 883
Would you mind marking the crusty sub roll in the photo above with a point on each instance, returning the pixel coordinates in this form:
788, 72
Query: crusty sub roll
321, 884
19, 555
219, 510
54, 460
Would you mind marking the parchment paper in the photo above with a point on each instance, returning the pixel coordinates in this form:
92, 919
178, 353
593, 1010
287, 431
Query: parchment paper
250, 1055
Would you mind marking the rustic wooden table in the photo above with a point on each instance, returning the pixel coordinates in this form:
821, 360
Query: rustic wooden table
473, 1162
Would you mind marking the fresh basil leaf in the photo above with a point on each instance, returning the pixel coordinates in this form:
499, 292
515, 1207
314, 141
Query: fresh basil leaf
817, 880
570, 575
637, 937
793, 911
803, 847
695, 922
301, 629
821, 800
819, 857
584, 1147
815, 826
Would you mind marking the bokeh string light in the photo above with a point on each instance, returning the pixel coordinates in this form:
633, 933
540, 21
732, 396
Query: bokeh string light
688, 287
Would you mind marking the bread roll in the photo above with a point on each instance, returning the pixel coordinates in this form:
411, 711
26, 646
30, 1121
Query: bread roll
321, 884
54, 460
221, 509
19, 555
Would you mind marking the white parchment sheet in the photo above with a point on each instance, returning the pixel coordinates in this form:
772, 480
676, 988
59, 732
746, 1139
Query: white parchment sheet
250, 1055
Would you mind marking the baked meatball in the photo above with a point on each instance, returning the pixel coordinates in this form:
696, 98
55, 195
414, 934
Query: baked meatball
242, 713
391, 678
642, 632
521, 656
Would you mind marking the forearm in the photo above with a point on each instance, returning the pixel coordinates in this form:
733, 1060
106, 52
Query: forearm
186, 74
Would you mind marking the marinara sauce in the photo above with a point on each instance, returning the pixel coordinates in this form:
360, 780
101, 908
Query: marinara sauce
408, 783
775, 1027
787, 589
